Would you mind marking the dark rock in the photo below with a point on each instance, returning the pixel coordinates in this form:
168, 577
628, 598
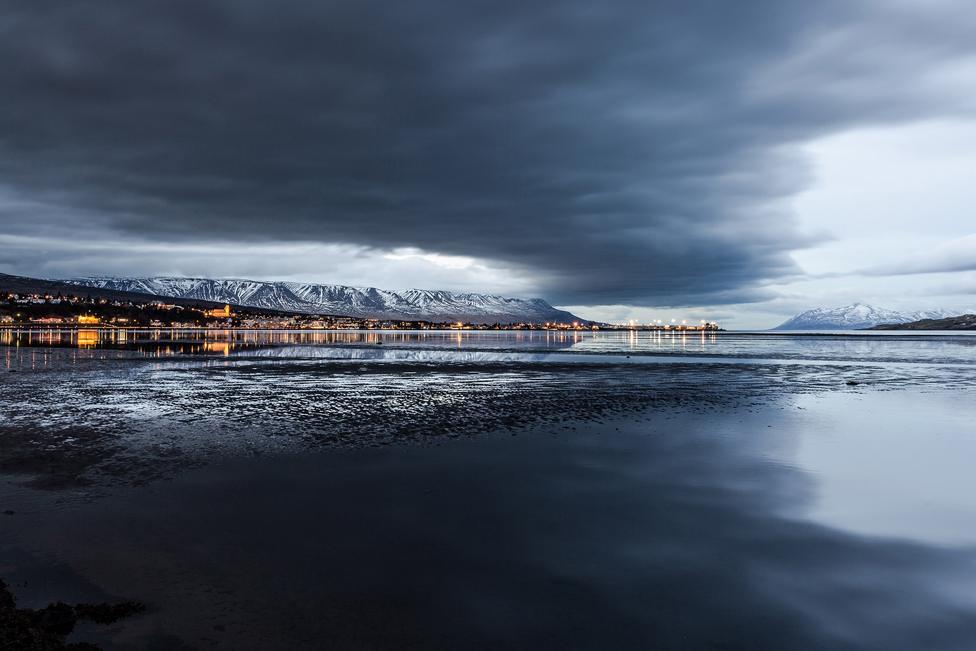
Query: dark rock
57, 618
108, 613
45, 629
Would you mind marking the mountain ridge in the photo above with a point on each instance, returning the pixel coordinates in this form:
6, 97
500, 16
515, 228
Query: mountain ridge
961, 322
855, 316
28, 285
345, 300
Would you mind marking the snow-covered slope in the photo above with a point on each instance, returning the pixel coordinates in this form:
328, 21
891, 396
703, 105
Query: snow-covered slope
420, 304
853, 317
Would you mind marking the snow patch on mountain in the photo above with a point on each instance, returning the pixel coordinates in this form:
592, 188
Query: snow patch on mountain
368, 302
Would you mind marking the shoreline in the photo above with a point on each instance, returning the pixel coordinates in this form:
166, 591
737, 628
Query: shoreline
866, 332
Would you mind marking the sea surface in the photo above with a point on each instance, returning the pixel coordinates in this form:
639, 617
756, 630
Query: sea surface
469, 489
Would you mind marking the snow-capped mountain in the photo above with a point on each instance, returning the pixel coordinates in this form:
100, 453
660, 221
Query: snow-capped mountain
413, 304
853, 317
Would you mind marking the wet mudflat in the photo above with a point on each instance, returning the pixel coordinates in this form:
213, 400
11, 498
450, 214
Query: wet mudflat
301, 503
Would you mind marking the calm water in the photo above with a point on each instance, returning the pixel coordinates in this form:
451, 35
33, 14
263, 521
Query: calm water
955, 347
496, 490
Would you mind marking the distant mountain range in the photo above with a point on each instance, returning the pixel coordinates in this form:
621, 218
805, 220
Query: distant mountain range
855, 317
368, 302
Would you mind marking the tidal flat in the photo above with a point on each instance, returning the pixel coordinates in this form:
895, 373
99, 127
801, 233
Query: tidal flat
502, 491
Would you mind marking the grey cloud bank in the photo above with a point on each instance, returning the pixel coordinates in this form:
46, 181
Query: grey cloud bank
623, 153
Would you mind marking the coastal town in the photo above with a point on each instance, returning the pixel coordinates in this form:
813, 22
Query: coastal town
36, 310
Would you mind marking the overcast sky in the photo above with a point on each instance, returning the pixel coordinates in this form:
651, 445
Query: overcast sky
738, 161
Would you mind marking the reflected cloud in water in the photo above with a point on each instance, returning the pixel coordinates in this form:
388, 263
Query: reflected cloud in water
897, 465
670, 533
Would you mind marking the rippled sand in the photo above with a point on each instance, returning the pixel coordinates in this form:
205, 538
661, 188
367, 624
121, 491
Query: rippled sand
116, 417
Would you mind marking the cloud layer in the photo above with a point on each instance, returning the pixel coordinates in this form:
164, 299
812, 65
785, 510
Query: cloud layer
629, 153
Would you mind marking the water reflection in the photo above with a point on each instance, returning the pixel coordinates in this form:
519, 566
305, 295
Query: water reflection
856, 346
665, 534
84, 338
679, 505
220, 347
892, 464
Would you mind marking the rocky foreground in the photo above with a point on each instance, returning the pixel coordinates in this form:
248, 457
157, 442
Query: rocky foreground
45, 629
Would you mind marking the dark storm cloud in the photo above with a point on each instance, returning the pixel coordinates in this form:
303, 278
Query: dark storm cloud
629, 152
